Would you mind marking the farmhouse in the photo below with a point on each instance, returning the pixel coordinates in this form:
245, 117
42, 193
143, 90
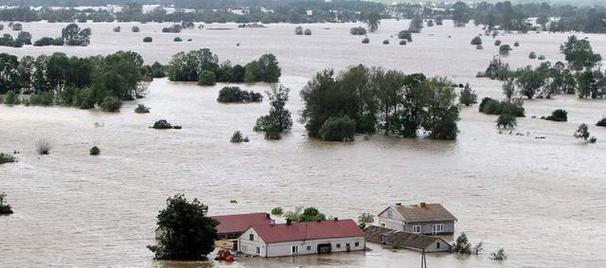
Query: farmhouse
232, 226
428, 219
406, 240
301, 238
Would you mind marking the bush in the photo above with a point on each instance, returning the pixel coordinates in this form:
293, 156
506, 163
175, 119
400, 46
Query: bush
43, 99
12, 98
468, 96
84, 99
406, 35
542, 57
402, 42
5, 208
365, 41
7, 158
237, 137
277, 211
207, 78
95, 151
558, 115
272, 135
177, 28
479, 47
48, 41
135, 29
497, 43
117, 29
358, 31
476, 41
43, 147
386, 42
601, 123
142, 109
111, 104
490, 106
516, 44
307, 32
299, 30
237, 95
338, 129
147, 39
532, 55
507, 121
504, 50
499, 255
178, 39
163, 124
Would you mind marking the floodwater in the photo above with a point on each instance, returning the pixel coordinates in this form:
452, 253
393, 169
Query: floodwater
543, 200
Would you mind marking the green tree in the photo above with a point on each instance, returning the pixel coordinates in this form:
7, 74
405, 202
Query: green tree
373, 20
269, 70
5, 208
207, 78
338, 129
74, 36
365, 219
468, 96
279, 118
579, 53
184, 231
530, 81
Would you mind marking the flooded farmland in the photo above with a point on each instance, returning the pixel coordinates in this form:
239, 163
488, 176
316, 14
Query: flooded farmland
543, 200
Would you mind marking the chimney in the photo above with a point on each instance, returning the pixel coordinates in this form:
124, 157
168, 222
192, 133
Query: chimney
288, 221
423, 205
398, 204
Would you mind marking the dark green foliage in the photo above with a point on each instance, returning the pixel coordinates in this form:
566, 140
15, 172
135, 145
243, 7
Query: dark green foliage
490, 106
529, 81
8, 41
386, 42
307, 32
135, 29
558, 115
163, 124
365, 219
49, 41
504, 50
12, 98
299, 30
237, 95
338, 129
532, 55
277, 211
358, 31
188, 66
309, 214
507, 121
157, 70
499, 255
476, 41
207, 78
406, 35
468, 96
95, 151
142, 109
266, 69
601, 123
25, 38
84, 99
516, 44
176, 28
184, 231
279, 118
74, 36
497, 69
365, 40
497, 43
117, 29
402, 42
111, 104
462, 245
541, 57
147, 39
43, 99
7, 158
5, 208
416, 24
178, 39
579, 53
373, 20
582, 132
237, 137
43, 147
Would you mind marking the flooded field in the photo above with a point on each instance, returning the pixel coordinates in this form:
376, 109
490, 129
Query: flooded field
543, 200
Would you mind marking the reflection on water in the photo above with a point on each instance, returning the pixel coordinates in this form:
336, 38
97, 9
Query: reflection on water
541, 200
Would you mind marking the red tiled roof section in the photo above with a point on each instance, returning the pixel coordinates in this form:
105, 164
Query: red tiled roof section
239, 223
297, 231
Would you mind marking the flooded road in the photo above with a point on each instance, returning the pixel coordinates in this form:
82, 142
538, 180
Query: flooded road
543, 200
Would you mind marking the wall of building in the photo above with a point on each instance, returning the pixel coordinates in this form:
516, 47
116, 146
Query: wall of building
247, 246
427, 228
438, 246
391, 219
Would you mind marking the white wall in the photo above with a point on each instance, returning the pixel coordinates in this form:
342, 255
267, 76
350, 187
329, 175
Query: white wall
395, 222
246, 246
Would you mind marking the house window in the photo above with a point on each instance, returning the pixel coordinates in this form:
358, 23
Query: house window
438, 228
259, 250
389, 214
295, 249
338, 245
416, 228
357, 244
438, 245
251, 237
308, 248
382, 224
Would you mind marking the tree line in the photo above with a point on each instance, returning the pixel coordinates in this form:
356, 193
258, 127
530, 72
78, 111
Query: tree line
368, 100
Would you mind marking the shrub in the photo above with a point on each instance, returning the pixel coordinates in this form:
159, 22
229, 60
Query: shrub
558, 115
117, 29
43, 99
365, 41
468, 96
406, 35
135, 29
307, 32
207, 78
386, 42
479, 47
499, 255
237, 137
491, 106
338, 129
162, 124
516, 44
111, 104
402, 42
358, 31
5, 208
236, 95
147, 39
7, 158
299, 30
43, 147
507, 121
12, 98
95, 151
497, 43
272, 135
504, 50
277, 211
476, 41
142, 109
178, 39
49, 41
601, 123
173, 29
462, 245
532, 55
542, 57
84, 99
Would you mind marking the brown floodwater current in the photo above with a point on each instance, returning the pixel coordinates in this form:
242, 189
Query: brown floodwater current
543, 200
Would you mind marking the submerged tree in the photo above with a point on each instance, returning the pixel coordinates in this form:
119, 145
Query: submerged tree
579, 53
184, 231
5, 208
279, 118
468, 96
373, 20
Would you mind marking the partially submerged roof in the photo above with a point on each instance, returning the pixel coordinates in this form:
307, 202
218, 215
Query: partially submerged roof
300, 231
391, 237
424, 212
239, 223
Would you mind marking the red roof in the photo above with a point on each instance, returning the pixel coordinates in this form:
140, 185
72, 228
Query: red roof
297, 231
239, 223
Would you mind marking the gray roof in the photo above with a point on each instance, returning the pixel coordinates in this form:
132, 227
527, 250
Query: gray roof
402, 239
427, 213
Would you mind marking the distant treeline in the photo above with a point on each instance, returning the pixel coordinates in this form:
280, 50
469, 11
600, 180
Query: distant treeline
207, 11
